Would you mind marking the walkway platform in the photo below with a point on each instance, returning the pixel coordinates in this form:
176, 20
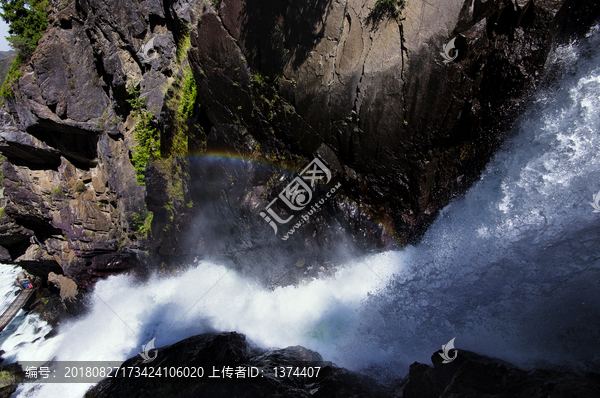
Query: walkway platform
14, 308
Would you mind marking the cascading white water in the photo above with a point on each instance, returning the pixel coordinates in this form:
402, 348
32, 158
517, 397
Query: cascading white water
510, 270
7, 287
206, 298
26, 330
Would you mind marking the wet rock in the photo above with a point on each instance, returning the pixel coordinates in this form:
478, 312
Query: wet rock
10, 377
232, 349
469, 375
473, 375
68, 288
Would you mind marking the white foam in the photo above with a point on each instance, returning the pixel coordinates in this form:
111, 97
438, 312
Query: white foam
210, 297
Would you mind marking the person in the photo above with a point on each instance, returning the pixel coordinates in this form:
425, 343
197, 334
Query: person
25, 280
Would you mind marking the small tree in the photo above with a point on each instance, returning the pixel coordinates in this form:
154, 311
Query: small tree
27, 21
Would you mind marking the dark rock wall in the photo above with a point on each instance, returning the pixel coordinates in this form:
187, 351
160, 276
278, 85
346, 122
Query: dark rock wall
409, 131
232, 349
470, 376
278, 82
473, 375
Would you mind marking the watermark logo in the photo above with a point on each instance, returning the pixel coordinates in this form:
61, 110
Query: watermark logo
450, 52
446, 354
596, 202
147, 51
146, 352
298, 195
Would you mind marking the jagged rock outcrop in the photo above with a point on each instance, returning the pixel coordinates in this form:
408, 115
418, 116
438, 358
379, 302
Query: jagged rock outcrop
277, 82
232, 349
70, 188
68, 288
473, 375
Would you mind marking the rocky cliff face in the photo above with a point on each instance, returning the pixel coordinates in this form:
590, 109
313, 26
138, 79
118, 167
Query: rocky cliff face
276, 82
407, 131
71, 194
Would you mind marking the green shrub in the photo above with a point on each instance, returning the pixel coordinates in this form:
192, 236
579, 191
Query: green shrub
147, 225
143, 221
145, 134
188, 95
80, 188
385, 8
182, 44
57, 192
27, 21
183, 104
259, 79
14, 73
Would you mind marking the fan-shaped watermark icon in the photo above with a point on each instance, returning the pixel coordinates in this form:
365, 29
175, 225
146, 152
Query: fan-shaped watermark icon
146, 353
450, 52
298, 195
596, 202
446, 354
147, 51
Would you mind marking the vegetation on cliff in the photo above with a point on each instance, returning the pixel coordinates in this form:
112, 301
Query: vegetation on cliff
27, 21
182, 106
145, 133
6, 90
183, 44
172, 166
148, 136
166, 153
385, 8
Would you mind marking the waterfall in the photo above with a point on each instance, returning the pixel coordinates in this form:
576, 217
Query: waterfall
510, 269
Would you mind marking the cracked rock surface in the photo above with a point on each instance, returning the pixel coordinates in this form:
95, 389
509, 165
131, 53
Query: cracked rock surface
278, 82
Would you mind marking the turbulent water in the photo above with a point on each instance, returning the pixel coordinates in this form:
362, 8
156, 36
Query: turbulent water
511, 270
